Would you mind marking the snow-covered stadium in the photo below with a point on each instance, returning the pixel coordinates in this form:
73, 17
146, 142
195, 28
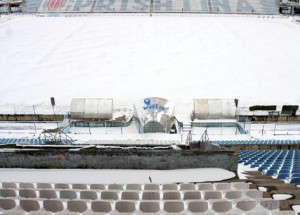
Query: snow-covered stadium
149, 107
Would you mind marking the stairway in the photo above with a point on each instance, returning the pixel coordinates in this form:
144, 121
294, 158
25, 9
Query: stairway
185, 130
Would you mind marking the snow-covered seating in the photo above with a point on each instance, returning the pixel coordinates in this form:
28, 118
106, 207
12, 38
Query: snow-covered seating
169, 187
48, 194
151, 195
26, 185
239, 185
149, 206
78, 206
115, 187
7, 193
7, 204
233, 194
68, 194
62, 186
27, 193
44, 186
198, 206
187, 186
97, 187
89, 194
9, 185
151, 187
133, 187
246, 205
80, 186
125, 206
130, 195
222, 186
29, 205
141, 199
222, 206
205, 186
101, 206
109, 195
255, 194
212, 195
172, 195
173, 206
192, 195
53, 205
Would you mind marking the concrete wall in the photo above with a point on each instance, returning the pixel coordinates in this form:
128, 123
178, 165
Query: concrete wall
122, 159
280, 118
112, 123
30, 117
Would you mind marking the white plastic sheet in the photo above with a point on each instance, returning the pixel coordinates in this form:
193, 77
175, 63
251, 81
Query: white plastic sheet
214, 108
97, 108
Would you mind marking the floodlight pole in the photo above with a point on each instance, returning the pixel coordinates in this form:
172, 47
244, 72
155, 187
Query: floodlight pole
262, 131
33, 120
54, 115
89, 128
53, 104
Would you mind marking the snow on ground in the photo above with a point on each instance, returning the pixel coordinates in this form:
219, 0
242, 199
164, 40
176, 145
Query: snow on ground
92, 134
132, 57
113, 176
242, 169
273, 130
296, 208
118, 176
281, 196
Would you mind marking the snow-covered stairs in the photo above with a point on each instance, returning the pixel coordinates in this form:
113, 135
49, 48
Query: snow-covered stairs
185, 130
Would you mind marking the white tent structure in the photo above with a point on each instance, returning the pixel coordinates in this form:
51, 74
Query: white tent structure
91, 109
154, 115
214, 108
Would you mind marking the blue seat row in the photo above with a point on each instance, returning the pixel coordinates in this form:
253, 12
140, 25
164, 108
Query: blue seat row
156, 6
257, 142
281, 164
32, 141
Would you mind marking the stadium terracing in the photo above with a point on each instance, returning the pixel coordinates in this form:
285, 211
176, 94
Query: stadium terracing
234, 196
152, 6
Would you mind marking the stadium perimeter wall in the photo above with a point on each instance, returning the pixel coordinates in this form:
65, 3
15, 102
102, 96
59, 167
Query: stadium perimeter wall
31, 117
124, 159
152, 6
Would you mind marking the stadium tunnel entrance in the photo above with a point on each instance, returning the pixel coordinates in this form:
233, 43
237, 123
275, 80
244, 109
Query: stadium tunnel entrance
155, 115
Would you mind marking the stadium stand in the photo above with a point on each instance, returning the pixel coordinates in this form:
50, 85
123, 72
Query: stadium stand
152, 6
244, 6
32, 141
234, 197
257, 142
32, 6
281, 164
36, 141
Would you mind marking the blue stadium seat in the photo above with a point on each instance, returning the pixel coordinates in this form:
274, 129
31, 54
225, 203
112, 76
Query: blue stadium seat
271, 172
255, 165
285, 171
283, 175
295, 175
295, 180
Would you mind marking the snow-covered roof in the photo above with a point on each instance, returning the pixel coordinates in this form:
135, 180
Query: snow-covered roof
214, 108
85, 108
155, 111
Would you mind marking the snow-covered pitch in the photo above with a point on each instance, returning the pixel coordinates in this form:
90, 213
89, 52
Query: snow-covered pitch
128, 57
